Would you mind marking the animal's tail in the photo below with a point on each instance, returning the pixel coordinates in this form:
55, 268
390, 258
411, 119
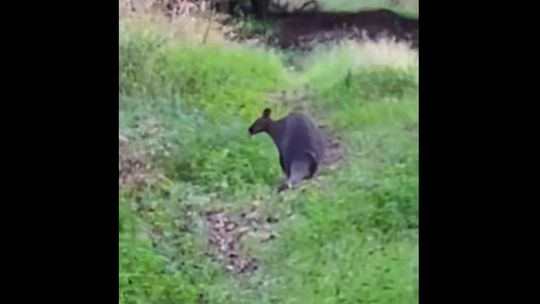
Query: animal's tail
299, 170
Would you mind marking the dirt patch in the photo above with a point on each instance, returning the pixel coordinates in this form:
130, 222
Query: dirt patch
412, 127
135, 170
228, 233
333, 152
302, 30
138, 148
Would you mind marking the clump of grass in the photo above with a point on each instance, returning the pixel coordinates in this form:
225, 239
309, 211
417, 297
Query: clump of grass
382, 53
363, 75
139, 61
329, 64
183, 29
218, 79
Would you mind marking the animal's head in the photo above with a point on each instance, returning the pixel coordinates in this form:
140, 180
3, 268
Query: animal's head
262, 124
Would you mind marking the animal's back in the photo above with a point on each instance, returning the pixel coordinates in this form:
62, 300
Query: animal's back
300, 138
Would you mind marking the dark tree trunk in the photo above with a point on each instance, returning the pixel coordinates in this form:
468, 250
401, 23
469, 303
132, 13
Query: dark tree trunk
225, 6
260, 8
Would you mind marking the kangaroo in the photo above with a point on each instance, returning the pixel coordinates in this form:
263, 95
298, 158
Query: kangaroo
298, 141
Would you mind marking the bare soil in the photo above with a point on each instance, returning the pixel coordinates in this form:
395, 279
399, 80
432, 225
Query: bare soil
302, 30
227, 234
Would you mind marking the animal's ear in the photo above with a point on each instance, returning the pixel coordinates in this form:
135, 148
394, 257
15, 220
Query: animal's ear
266, 113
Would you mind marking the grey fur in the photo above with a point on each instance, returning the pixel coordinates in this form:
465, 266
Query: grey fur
299, 144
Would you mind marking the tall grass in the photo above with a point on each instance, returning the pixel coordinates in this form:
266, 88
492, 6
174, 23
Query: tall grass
349, 236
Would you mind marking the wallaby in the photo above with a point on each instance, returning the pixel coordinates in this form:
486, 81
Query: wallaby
298, 141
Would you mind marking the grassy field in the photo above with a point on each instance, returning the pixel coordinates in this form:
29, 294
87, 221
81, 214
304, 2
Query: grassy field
349, 236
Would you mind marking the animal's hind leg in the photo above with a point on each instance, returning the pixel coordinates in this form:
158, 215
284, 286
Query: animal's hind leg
313, 166
283, 183
283, 186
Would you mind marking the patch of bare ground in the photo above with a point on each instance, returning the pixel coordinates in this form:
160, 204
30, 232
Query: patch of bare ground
412, 127
304, 30
227, 234
136, 168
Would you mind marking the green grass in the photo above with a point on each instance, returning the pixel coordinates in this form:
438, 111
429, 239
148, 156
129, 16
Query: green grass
407, 7
348, 237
